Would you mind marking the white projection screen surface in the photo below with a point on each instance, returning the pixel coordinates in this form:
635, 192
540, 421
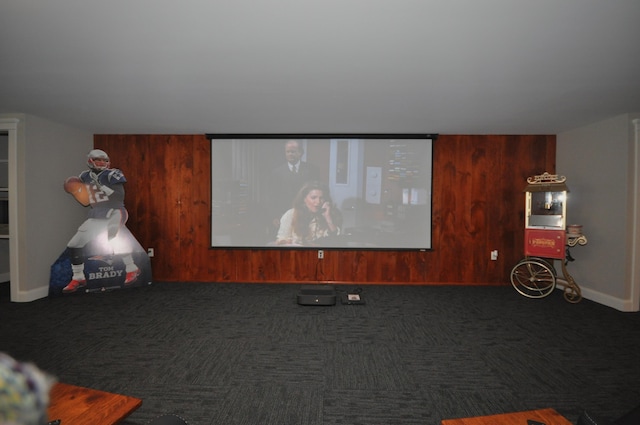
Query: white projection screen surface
346, 191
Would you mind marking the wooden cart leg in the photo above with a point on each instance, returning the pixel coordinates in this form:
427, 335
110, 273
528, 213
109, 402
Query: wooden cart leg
572, 291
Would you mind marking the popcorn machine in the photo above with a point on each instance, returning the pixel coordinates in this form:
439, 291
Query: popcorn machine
547, 239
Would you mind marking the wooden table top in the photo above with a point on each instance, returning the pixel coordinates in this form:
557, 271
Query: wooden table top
545, 416
85, 406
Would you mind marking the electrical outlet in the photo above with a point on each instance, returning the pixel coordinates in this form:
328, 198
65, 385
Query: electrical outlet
320, 254
494, 255
151, 252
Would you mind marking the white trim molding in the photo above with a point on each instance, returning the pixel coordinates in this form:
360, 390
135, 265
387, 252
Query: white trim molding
633, 263
11, 126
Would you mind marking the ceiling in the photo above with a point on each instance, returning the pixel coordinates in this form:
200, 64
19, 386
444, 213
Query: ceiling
324, 66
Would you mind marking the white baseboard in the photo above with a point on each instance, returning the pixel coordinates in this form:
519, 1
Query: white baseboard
32, 295
604, 299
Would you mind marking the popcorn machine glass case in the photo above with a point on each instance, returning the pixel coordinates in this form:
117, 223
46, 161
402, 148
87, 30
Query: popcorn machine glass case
545, 219
546, 240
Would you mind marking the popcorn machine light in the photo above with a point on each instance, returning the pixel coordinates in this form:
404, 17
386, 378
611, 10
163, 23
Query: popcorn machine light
546, 239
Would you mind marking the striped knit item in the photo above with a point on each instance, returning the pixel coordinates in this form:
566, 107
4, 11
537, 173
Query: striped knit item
24, 393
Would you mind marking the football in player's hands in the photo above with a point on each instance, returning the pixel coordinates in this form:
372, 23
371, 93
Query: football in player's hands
77, 188
72, 184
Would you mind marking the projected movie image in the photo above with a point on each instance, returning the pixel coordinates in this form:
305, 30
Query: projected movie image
294, 191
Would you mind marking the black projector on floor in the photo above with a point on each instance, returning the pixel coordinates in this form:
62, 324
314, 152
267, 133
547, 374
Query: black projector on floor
317, 295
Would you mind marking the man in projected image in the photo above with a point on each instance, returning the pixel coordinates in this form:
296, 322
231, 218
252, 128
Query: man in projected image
287, 179
313, 217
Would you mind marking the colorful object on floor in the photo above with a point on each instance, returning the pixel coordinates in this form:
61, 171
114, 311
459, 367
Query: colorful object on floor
24, 392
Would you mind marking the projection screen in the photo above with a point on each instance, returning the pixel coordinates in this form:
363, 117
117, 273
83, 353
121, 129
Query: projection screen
345, 191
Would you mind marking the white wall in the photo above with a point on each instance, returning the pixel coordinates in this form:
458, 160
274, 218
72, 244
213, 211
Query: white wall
595, 160
47, 154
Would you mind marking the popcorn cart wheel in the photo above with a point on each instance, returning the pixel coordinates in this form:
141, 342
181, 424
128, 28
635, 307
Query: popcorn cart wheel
547, 240
534, 277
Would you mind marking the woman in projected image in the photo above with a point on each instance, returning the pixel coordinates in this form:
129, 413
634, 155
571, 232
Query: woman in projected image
312, 217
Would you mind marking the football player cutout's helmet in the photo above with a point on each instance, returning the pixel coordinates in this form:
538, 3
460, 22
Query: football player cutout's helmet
98, 160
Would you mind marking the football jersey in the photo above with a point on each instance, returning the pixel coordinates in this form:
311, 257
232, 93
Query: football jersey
103, 201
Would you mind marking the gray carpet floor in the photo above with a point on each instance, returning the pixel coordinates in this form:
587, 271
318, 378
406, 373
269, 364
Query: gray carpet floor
249, 354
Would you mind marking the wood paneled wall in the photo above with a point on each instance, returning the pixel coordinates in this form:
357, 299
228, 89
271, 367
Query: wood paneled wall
478, 206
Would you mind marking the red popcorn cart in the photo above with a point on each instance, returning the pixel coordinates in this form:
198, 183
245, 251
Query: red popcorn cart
547, 238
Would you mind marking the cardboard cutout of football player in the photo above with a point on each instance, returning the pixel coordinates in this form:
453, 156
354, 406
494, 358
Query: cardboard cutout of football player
103, 254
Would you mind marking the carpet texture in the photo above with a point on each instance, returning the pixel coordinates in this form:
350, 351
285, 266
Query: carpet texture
248, 354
